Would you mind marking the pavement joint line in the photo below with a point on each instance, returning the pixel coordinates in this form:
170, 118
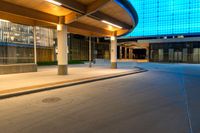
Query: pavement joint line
57, 85
186, 98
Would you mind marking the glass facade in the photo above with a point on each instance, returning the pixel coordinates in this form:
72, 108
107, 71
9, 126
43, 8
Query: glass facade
16, 42
17, 45
45, 37
187, 52
79, 48
166, 17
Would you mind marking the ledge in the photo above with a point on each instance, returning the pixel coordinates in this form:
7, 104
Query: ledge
17, 68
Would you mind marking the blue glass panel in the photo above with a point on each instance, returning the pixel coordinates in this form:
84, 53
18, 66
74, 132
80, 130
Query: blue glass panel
166, 17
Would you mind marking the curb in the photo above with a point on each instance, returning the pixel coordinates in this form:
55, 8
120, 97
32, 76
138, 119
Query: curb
58, 86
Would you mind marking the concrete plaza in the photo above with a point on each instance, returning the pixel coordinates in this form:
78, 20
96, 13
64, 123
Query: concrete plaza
47, 77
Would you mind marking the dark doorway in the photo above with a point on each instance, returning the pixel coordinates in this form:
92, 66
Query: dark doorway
139, 53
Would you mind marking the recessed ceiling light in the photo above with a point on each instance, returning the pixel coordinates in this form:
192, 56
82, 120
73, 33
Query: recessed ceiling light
59, 27
54, 2
3, 20
112, 38
109, 23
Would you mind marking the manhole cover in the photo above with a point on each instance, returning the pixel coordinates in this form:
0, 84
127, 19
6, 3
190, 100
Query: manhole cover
51, 100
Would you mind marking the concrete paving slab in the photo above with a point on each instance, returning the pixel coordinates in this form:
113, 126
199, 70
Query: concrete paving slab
46, 78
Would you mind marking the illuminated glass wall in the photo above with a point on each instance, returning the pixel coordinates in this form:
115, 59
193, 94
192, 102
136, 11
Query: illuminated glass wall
16, 43
166, 17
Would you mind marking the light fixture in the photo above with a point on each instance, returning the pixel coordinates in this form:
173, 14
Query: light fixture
54, 2
112, 38
109, 23
59, 27
3, 20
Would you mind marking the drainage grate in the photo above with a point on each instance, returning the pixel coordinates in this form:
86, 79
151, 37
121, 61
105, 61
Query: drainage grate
51, 100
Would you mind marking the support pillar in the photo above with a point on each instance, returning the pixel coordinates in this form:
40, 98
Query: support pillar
130, 53
120, 52
147, 53
113, 52
125, 53
90, 52
62, 49
35, 45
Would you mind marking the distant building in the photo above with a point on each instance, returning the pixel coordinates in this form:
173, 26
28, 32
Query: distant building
170, 27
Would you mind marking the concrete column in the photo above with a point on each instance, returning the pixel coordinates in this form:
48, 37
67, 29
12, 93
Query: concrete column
120, 52
113, 52
35, 44
147, 53
125, 53
130, 53
62, 50
90, 52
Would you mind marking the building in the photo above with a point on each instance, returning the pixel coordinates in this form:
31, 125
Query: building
79, 48
45, 30
171, 28
17, 43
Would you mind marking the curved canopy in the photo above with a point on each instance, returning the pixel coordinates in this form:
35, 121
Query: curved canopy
85, 17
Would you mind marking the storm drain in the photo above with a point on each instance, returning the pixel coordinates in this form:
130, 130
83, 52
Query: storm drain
51, 100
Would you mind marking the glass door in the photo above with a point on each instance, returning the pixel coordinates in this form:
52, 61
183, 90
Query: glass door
160, 54
178, 56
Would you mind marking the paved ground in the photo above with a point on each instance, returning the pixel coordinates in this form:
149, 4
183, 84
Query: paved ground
46, 75
163, 100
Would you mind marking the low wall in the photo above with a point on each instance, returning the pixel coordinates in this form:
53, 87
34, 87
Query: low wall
17, 68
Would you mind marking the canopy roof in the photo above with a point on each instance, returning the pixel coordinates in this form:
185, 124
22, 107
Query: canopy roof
86, 17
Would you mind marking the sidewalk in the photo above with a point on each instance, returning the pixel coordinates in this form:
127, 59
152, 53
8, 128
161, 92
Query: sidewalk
134, 60
46, 78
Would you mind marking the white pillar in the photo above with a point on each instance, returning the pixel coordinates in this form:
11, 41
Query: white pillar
113, 52
120, 52
35, 44
125, 53
147, 53
62, 49
90, 52
130, 54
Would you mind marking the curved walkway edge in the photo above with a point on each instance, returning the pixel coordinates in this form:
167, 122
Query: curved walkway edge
8, 93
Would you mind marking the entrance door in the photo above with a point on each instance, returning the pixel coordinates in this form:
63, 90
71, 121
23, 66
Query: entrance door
160, 54
171, 55
185, 55
196, 55
178, 56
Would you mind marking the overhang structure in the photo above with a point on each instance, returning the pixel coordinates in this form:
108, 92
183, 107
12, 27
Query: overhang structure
98, 18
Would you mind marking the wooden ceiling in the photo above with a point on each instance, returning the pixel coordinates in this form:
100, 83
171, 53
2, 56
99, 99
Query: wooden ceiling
86, 2
82, 16
118, 11
96, 23
41, 5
